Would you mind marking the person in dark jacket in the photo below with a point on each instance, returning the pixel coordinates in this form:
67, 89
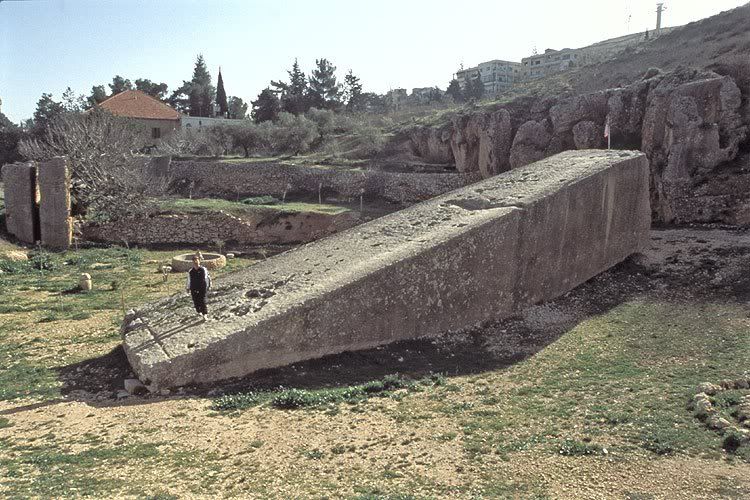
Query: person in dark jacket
198, 283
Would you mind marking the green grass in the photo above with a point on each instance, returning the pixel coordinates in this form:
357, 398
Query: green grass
43, 293
51, 471
290, 399
202, 205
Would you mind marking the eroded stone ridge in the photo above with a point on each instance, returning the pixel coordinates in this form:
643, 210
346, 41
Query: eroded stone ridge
473, 254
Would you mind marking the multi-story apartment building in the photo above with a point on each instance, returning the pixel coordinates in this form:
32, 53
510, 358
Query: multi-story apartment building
552, 61
496, 75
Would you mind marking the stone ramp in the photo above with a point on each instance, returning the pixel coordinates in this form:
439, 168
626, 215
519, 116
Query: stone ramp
471, 255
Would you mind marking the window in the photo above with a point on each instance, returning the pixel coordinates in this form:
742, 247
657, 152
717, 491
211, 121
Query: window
156, 133
537, 62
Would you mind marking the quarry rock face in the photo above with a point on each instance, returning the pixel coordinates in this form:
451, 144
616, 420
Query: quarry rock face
689, 123
529, 144
477, 253
432, 144
588, 135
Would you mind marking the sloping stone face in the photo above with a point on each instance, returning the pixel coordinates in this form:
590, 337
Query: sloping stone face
21, 214
54, 203
474, 254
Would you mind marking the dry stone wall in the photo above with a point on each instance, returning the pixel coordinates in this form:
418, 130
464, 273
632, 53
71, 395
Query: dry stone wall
474, 254
233, 180
264, 226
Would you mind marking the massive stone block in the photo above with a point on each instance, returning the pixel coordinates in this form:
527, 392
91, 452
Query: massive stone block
471, 255
54, 203
21, 216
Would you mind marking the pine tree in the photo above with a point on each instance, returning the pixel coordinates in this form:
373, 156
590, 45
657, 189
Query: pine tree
47, 109
352, 94
120, 84
324, 91
454, 90
266, 106
237, 108
293, 94
221, 96
156, 90
98, 94
200, 92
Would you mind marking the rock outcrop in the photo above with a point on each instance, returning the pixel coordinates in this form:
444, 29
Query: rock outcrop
689, 123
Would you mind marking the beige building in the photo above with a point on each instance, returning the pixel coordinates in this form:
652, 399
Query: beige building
496, 75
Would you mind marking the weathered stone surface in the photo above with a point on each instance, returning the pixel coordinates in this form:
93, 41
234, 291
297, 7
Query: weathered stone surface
56, 225
21, 215
257, 227
432, 144
14, 256
476, 253
495, 140
529, 144
588, 135
465, 142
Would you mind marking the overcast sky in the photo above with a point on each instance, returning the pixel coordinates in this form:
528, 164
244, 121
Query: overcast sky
48, 45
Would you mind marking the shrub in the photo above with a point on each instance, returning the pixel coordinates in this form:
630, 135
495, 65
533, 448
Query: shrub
325, 119
572, 447
235, 401
732, 441
101, 148
293, 134
261, 200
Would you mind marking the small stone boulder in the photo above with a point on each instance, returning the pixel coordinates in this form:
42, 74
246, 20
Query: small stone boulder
135, 387
14, 256
84, 283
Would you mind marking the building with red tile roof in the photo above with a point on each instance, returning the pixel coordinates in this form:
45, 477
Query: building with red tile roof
144, 109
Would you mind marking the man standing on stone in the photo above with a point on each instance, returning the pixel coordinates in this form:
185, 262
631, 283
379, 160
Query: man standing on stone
198, 283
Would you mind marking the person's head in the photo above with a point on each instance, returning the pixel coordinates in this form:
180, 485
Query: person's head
196, 261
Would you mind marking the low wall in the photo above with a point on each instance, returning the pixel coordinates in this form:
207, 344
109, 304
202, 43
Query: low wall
21, 212
232, 180
477, 253
261, 227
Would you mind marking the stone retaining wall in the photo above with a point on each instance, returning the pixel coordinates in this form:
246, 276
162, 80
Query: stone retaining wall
233, 180
478, 253
261, 227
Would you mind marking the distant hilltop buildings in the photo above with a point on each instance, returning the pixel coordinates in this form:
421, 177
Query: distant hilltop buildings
499, 75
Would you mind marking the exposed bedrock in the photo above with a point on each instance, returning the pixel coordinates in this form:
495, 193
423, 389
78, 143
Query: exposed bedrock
474, 254
690, 124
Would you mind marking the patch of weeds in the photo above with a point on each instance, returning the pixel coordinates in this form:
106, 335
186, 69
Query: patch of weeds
231, 402
4, 422
659, 442
20, 378
260, 200
448, 436
340, 449
314, 454
573, 448
732, 441
161, 495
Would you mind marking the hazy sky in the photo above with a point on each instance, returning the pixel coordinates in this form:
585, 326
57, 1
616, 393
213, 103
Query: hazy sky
48, 45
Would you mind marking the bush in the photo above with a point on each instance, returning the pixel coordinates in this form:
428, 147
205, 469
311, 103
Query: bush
572, 447
235, 401
261, 200
107, 175
732, 441
293, 134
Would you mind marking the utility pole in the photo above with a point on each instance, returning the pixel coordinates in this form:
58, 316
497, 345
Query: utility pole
659, 9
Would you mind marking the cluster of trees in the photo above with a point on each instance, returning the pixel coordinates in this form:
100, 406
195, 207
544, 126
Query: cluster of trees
473, 90
287, 134
319, 90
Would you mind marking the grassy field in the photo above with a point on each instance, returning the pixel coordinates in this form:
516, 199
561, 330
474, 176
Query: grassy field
200, 205
585, 397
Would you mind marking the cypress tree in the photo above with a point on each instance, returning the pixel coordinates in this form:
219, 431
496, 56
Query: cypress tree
221, 96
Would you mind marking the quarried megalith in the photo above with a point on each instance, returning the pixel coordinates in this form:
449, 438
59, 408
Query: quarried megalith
21, 214
54, 203
477, 253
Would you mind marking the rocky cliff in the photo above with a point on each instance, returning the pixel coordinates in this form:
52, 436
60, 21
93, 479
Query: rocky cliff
692, 125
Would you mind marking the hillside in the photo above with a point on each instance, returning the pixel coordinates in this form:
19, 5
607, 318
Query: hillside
702, 44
